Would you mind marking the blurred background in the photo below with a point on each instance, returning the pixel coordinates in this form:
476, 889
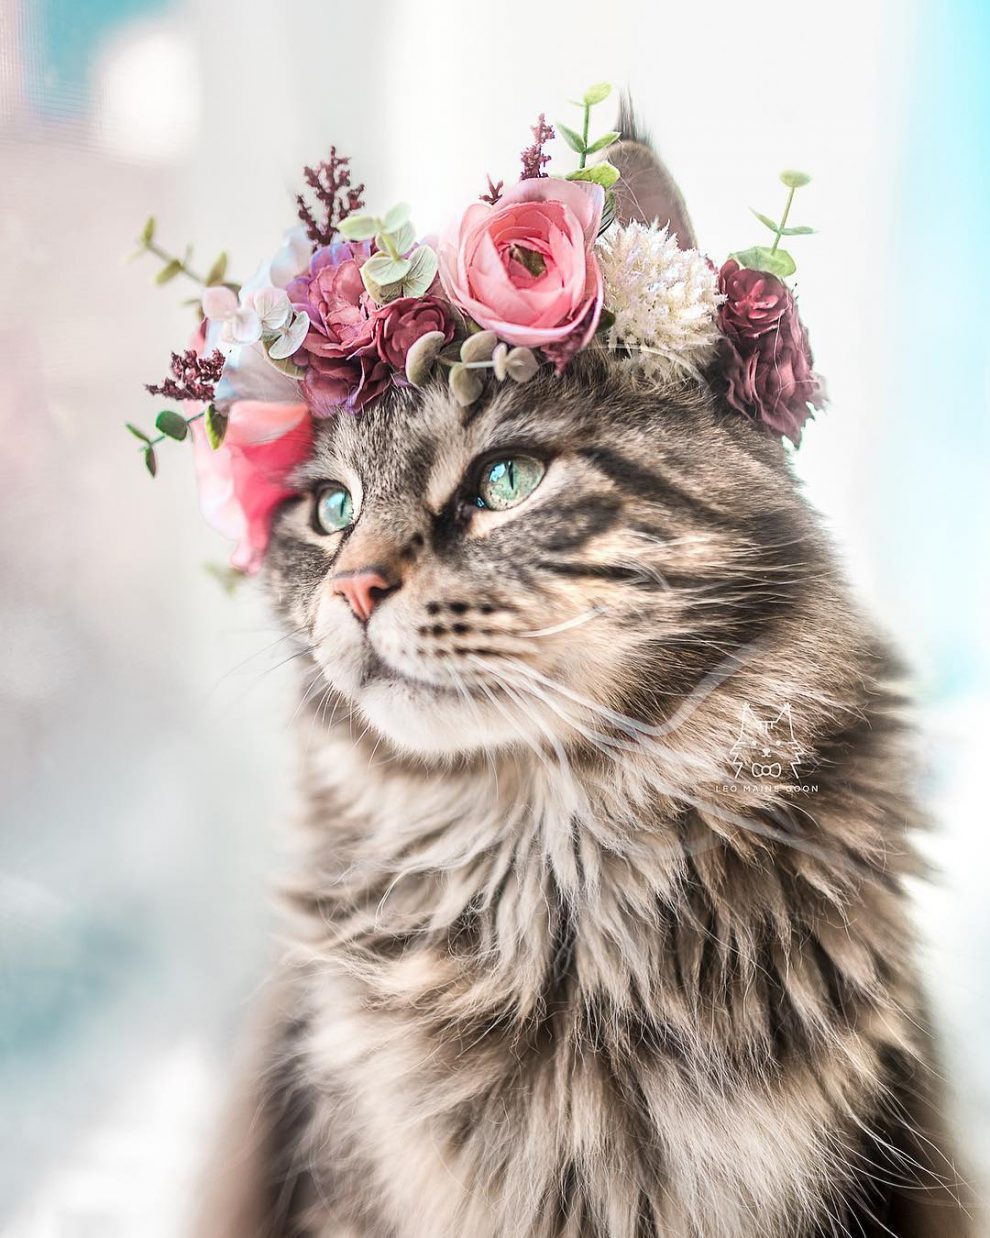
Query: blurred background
144, 744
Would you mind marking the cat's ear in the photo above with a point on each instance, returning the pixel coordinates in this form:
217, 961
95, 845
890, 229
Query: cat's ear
646, 190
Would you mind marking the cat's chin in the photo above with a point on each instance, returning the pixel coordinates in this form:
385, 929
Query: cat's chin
419, 719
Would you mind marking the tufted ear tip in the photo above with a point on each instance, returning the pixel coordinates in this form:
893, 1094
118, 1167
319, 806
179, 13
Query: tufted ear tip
646, 191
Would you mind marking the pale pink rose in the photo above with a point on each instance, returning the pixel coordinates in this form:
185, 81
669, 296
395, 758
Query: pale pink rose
245, 478
525, 267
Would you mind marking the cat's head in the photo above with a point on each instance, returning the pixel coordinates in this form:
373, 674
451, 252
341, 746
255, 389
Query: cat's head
513, 572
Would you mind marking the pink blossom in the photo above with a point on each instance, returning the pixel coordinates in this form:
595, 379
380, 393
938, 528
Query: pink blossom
332, 293
525, 267
243, 480
338, 353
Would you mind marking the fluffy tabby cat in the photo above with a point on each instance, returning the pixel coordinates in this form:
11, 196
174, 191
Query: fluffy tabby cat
555, 970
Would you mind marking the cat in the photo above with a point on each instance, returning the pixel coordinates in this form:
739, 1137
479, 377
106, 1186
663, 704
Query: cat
560, 963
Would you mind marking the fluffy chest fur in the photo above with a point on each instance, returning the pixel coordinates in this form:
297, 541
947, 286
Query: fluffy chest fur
540, 1000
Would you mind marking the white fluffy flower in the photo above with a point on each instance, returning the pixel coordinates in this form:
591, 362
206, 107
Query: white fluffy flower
664, 298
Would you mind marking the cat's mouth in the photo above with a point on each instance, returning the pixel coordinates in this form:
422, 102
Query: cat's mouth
377, 671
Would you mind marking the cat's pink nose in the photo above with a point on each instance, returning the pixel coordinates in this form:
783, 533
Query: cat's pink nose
363, 590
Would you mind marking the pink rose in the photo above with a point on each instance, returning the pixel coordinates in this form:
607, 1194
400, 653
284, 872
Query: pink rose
332, 293
400, 324
245, 478
524, 268
343, 368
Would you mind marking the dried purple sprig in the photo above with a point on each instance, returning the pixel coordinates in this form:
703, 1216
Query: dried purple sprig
494, 193
330, 182
533, 158
193, 377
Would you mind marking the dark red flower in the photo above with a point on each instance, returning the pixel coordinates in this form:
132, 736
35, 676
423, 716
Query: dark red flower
767, 360
351, 382
755, 300
399, 324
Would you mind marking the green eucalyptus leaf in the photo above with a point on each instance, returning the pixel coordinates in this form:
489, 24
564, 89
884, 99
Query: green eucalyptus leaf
422, 272
396, 217
138, 434
597, 93
521, 364
573, 139
151, 461
403, 238
219, 269
378, 294
422, 356
385, 270
169, 271
148, 231
465, 385
793, 179
797, 230
604, 174
215, 424
479, 346
605, 140
761, 258
358, 227
765, 219
286, 366
172, 424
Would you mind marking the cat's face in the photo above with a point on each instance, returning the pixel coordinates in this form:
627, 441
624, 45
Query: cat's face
468, 578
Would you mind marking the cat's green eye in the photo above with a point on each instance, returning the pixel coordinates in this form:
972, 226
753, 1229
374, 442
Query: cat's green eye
334, 508
504, 483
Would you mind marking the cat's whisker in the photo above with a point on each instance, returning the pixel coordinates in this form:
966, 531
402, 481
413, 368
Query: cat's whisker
566, 625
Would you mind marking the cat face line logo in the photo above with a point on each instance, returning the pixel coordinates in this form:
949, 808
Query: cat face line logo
766, 747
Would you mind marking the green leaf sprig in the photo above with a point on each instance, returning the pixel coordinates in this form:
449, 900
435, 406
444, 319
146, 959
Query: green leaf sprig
173, 265
399, 268
773, 259
172, 425
603, 173
467, 363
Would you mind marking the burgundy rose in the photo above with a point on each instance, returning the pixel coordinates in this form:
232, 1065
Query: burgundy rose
755, 300
349, 382
768, 364
400, 324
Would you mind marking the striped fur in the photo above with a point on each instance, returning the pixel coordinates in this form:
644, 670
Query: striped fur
554, 970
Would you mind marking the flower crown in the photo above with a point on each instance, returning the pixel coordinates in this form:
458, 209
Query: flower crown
353, 304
